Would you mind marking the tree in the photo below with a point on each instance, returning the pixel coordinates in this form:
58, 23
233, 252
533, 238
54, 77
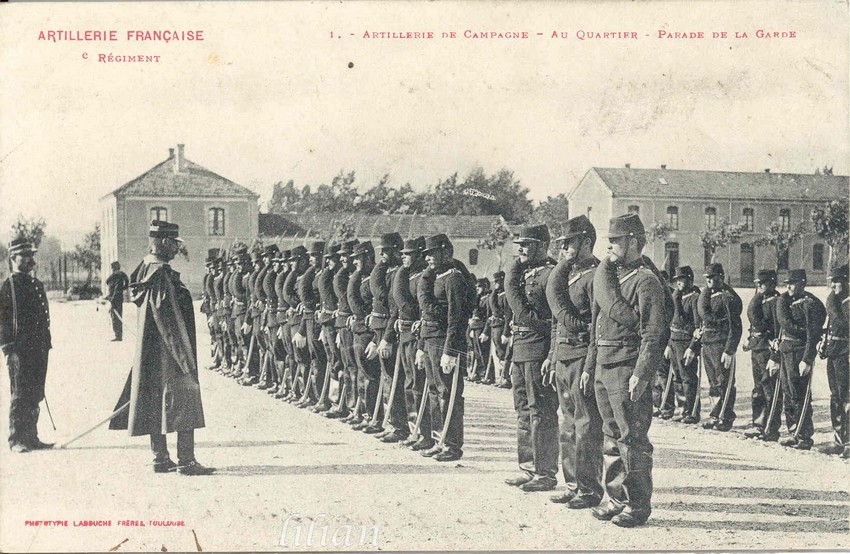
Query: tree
721, 236
31, 229
554, 212
830, 222
658, 231
87, 254
781, 240
496, 239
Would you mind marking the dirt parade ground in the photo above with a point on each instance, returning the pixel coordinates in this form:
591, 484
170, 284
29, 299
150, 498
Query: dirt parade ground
289, 479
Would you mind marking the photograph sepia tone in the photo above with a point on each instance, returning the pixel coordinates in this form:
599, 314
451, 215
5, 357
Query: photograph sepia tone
403, 276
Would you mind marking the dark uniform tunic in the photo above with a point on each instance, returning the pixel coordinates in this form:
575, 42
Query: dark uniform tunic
239, 292
368, 371
631, 319
325, 317
686, 376
477, 323
835, 350
720, 311
283, 344
271, 325
308, 292
761, 312
536, 405
498, 327
301, 356
220, 319
801, 320
346, 338
570, 294
405, 314
25, 331
445, 300
117, 283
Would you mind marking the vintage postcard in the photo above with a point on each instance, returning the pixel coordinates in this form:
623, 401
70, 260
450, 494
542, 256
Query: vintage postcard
424, 276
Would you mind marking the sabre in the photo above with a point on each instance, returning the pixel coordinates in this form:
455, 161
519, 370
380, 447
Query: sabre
728, 390
48, 412
695, 409
374, 420
112, 310
112, 416
342, 392
307, 383
414, 427
326, 383
773, 404
667, 388
806, 400
440, 437
393, 387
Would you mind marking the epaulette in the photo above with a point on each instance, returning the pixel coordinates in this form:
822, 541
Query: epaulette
718, 293
770, 299
449, 272
503, 293
693, 292
365, 279
414, 276
628, 275
581, 274
804, 299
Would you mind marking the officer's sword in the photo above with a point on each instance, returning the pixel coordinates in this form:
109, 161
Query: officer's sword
697, 399
378, 402
774, 401
806, 401
728, 390
393, 386
667, 388
114, 414
440, 437
414, 427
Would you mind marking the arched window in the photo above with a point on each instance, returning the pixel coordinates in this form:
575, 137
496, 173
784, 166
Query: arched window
748, 219
673, 217
158, 213
215, 221
817, 257
710, 218
473, 256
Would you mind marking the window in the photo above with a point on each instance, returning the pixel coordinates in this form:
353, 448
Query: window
785, 219
215, 222
782, 263
673, 217
706, 257
473, 256
817, 257
748, 219
710, 218
159, 214
634, 210
671, 256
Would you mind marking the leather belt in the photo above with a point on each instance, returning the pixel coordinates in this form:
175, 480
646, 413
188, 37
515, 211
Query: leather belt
496, 321
376, 314
680, 330
574, 340
837, 338
606, 342
429, 323
406, 322
343, 314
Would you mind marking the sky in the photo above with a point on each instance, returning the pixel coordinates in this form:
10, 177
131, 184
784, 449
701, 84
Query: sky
270, 95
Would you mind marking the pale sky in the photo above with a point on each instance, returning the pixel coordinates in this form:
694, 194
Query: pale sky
268, 95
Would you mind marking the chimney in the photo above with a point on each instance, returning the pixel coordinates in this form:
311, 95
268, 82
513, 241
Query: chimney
663, 166
170, 153
767, 170
179, 161
628, 166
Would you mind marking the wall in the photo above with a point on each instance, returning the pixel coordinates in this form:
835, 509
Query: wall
592, 192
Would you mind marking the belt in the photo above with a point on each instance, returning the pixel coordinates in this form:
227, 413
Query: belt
344, 314
495, 321
680, 330
716, 329
522, 329
406, 322
759, 334
239, 303
605, 342
429, 323
793, 340
575, 340
376, 314
835, 337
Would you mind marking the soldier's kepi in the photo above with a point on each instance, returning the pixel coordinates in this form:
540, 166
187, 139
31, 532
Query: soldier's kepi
536, 402
569, 293
631, 317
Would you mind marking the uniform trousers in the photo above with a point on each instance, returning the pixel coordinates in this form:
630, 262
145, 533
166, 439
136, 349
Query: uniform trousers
718, 379
627, 452
27, 388
368, 376
794, 387
116, 312
686, 378
398, 409
839, 400
414, 388
536, 408
580, 431
439, 393
764, 387
349, 365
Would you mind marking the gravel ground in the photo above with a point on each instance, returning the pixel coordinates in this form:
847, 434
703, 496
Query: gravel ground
283, 472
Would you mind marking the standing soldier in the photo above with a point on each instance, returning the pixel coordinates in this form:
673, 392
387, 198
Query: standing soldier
497, 328
569, 292
269, 319
406, 315
207, 301
25, 340
761, 313
328, 304
536, 402
386, 337
217, 300
719, 308
801, 316
632, 311
685, 322
347, 410
310, 329
274, 322
477, 339
301, 356
162, 388
117, 283
446, 297
239, 292
835, 352
252, 363
368, 369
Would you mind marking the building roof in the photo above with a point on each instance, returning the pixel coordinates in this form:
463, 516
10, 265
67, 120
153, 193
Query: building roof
462, 226
192, 180
727, 185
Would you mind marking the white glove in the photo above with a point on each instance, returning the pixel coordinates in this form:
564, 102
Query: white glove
448, 363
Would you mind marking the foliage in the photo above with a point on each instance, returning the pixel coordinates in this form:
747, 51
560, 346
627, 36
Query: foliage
554, 212
496, 239
721, 236
87, 253
85, 291
658, 231
31, 229
830, 222
781, 240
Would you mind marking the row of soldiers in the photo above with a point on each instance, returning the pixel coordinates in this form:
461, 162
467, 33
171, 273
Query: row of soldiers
609, 342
